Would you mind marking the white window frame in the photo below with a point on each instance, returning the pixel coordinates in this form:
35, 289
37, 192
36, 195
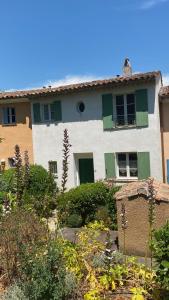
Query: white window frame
125, 109
10, 115
127, 166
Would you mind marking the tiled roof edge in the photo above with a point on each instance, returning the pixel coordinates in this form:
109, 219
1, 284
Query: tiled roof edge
112, 82
164, 92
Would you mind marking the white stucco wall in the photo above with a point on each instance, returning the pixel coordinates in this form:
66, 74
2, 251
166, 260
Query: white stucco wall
87, 135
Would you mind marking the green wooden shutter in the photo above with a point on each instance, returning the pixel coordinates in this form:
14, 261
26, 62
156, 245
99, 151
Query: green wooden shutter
107, 111
141, 108
36, 112
143, 165
110, 165
56, 110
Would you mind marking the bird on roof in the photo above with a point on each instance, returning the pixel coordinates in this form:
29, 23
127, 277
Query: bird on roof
127, 69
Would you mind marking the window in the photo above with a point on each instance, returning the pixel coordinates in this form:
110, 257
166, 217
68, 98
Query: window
48, 112
53, 167
127, 165
9, 116
80, 107
125, 110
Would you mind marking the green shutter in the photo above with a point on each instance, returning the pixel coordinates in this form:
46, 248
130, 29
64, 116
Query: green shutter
143, 165
110, 165
107, 111
36, 112
57, 111
141, 108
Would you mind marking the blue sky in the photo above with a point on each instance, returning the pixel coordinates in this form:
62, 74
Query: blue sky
63, 41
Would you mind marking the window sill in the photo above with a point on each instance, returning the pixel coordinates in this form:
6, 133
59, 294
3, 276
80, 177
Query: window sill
10, 124
125, 126
125, 180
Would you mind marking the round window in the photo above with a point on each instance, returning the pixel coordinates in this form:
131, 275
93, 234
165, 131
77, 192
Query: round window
81, 107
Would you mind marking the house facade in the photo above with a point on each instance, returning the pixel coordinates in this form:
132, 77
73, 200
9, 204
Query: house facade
113, 127
15, 128
164, 113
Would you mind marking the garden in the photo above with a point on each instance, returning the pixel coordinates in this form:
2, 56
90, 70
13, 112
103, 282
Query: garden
38, 264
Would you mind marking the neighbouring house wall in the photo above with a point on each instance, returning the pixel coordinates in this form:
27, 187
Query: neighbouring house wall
87, 135
20, 134
138, 227
165, 133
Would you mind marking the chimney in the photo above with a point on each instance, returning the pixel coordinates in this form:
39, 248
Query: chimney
127, 69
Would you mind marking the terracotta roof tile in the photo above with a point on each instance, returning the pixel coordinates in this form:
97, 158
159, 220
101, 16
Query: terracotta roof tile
141, 188
106, 83
164, 92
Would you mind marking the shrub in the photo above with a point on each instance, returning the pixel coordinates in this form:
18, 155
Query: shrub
160, 248
8, 181
88, 201
18, 229
74, 221
44, 274
40, 182
39, 192
82, 200
14, 292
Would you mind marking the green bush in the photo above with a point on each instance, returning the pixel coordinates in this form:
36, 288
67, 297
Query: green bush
40, 192
14, 292
44, 275
74, 221
160, 248
40, 181
111, 206
85, 201
8, 181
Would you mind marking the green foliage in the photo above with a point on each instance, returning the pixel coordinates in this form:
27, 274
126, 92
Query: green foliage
111, 206
44, 274
39, 191
40, 181
8, 181
74, 221
160, 248
14, 292
85, 200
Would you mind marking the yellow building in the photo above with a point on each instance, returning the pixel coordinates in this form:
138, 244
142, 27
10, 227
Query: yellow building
15, 128
164, 114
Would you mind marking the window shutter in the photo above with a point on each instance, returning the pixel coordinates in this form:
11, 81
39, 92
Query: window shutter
5, 115
110, 165
107, 111
36, 112
167, 170
141, 108
57, 111
143, 165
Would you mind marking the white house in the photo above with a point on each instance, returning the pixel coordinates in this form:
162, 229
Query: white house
113, 127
